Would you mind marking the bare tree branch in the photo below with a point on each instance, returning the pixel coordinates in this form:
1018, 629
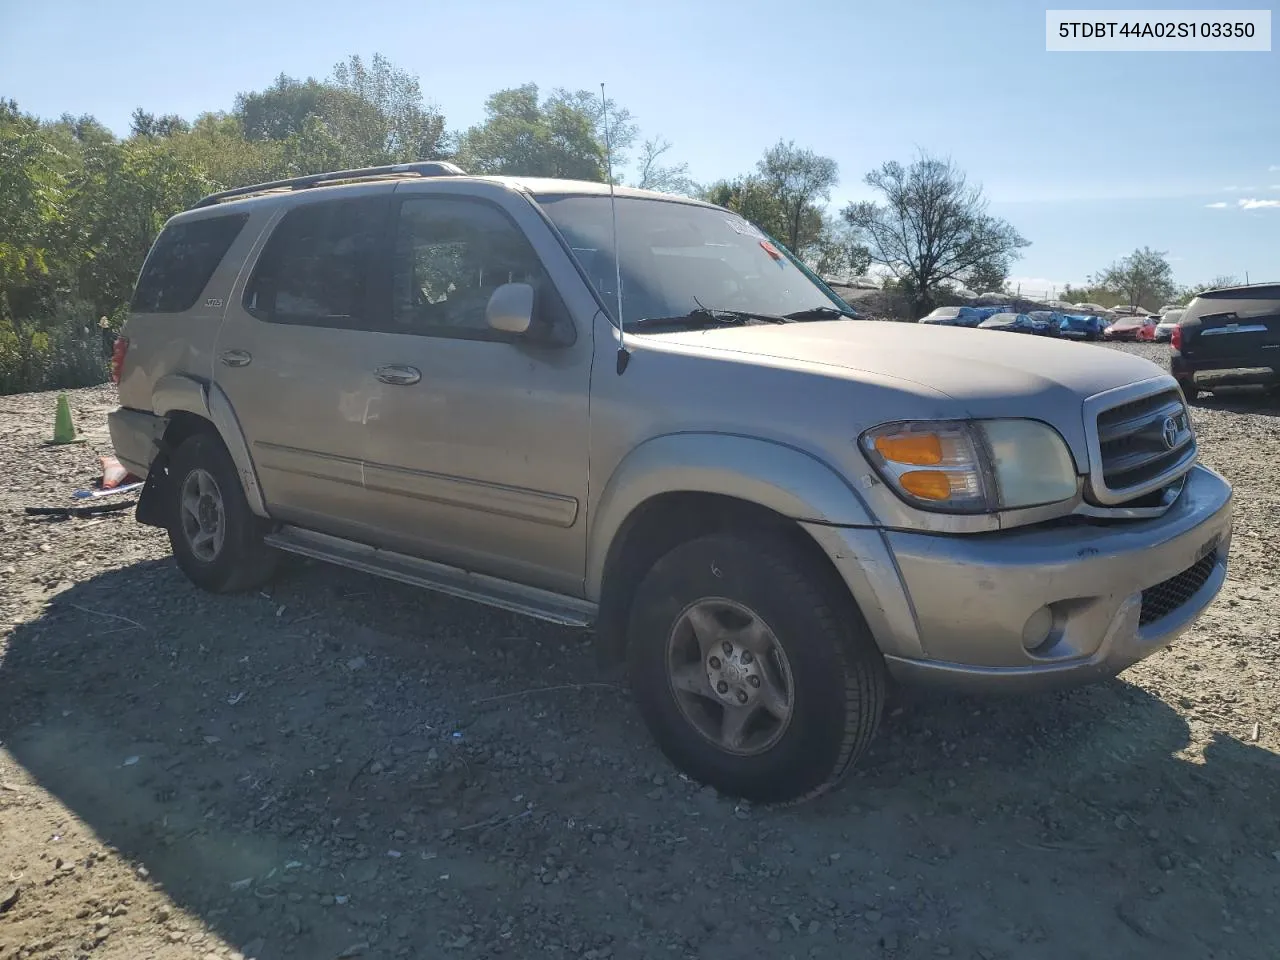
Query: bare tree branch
932, 227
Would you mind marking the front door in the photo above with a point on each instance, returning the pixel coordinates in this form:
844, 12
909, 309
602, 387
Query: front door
290, 357
476, 448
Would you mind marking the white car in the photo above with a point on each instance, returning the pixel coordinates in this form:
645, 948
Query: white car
1097, 308
1164, 329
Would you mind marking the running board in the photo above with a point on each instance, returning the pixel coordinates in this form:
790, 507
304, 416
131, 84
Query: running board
503, 594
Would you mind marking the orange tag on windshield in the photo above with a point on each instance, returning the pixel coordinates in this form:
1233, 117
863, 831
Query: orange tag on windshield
770, 249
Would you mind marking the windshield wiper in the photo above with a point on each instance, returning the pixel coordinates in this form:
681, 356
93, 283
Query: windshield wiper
709, 317
817, 313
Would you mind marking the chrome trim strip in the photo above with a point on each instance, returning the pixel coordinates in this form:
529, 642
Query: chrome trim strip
1100, 403
454, 581
1126, 428
1233, 328
1167, 500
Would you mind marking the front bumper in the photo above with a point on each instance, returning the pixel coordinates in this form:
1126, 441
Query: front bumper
954, 610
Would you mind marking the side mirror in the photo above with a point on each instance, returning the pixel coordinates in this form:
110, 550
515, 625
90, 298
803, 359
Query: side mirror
510, 309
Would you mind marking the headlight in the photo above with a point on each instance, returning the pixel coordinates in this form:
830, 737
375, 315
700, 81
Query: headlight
972, 466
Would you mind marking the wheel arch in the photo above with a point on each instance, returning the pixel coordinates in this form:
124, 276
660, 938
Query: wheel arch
191, 405
683, 486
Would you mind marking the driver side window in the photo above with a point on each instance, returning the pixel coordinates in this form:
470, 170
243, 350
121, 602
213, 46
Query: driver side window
450, 255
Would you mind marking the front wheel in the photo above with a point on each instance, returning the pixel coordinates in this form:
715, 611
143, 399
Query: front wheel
752, 669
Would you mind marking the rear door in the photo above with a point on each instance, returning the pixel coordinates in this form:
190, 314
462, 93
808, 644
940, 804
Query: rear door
1235, 332
290, 356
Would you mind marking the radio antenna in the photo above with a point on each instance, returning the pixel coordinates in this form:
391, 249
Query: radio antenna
623, 355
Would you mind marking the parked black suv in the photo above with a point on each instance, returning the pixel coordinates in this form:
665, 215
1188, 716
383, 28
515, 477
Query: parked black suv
1228, 337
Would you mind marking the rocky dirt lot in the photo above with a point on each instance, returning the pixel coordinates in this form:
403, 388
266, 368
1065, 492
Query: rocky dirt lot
346, 767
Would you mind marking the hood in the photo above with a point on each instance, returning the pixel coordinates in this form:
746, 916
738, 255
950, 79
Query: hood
989, 374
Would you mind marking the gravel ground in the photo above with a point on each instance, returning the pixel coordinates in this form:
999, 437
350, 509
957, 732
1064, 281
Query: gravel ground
346, 767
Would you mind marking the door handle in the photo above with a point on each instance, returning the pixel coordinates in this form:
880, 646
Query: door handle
398, 375
236, 358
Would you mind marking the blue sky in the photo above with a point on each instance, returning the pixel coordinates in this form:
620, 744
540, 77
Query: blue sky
1088, 154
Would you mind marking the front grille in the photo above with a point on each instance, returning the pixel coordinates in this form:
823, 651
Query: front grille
1166, 597
1142, 445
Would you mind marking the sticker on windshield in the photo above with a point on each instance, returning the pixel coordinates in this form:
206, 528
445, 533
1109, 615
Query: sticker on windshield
770, 249
743, 228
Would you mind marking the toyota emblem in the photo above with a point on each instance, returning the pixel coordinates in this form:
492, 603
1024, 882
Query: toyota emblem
1170, 432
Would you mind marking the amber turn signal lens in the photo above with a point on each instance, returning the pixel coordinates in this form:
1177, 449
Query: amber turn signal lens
926, 484
917, 449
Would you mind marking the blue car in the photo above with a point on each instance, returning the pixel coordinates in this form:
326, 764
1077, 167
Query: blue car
1046, 323
1079, 326
1012, 323
955, 317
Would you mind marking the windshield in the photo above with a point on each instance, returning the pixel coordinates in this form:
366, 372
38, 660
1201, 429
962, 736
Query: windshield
678, 257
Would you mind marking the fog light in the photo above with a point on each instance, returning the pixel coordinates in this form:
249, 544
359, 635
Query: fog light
1036, 630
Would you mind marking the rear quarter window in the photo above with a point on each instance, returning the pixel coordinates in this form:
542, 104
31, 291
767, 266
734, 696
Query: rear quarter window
181, 262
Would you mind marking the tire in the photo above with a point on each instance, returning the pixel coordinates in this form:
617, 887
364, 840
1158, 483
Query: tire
218, 542
829, 672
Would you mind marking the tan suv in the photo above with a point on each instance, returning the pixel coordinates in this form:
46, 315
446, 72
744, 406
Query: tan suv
640, 413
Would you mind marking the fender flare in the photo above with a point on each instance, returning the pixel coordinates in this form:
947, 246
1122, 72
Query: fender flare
781, 478
174, 393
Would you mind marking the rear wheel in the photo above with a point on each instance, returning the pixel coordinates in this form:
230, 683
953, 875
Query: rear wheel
216, 538
752, 670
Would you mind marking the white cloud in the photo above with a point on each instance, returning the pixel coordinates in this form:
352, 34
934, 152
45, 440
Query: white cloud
1217, 206
1252, 204
1274, 168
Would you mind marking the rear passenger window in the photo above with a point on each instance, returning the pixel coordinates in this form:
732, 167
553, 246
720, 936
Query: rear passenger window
181, 262
315, 269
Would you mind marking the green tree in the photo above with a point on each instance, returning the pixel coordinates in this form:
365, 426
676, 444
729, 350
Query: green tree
838, 250
364, 114
988, 275
930, 227
42, 323
217, 146
143, 124
751, 199
32, 193
127, 193
1090, 294
377, 110
1143, 279
524, 137
1217, 283
798, 179
281, 110
654, 175
602, 115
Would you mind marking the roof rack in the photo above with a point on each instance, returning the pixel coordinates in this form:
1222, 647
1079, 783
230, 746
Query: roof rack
424, 168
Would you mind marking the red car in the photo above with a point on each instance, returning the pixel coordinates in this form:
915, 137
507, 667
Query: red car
1132, 328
